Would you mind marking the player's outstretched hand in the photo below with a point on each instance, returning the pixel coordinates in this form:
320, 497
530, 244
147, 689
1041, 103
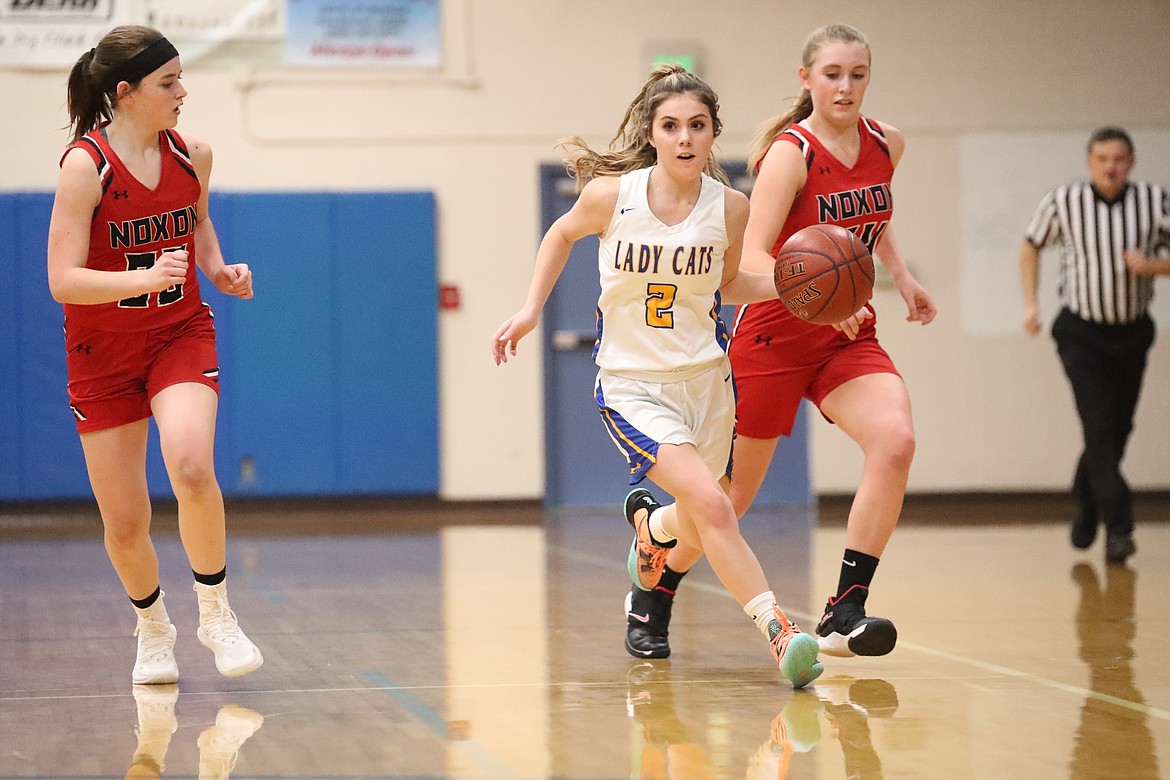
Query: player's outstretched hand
509, 334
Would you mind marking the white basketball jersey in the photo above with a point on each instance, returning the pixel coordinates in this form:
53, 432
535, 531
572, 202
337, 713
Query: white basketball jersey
659, 305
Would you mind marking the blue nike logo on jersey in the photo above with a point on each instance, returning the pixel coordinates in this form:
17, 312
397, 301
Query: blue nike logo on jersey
627, 208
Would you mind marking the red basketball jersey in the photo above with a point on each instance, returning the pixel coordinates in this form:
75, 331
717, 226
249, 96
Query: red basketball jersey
132, 226
856, 198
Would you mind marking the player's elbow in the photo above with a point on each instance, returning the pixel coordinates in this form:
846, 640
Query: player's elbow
58, 289
63, 287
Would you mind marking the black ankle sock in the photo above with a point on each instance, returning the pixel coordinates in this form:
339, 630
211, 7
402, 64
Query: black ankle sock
210, 579
669, 580
146, 602
857, 570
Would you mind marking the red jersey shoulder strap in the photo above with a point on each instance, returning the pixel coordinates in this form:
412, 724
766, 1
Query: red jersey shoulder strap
798, 137
873, 129
92, 145
178, 148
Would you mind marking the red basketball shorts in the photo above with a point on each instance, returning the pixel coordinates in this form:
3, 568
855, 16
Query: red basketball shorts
777, 367
114, 376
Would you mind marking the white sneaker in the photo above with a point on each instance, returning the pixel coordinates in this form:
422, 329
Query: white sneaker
156, 723
219, 745
155, 664
235, 655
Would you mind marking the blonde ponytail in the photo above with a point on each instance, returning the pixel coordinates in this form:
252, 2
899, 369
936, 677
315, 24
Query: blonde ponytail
802, 107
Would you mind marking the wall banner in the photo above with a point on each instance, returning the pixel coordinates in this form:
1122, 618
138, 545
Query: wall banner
363, 33
52, 33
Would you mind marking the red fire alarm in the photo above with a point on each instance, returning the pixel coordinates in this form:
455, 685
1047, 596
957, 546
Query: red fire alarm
448, 297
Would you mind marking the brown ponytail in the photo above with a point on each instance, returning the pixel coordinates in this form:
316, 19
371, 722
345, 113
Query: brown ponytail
630, 148
90, 96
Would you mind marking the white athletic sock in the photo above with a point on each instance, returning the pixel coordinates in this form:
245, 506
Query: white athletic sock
760, 610
657, 532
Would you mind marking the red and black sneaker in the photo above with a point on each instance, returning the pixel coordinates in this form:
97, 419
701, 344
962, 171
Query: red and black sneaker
845, 630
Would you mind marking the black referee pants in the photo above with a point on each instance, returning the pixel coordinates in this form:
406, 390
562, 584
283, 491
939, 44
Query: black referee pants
1105, 365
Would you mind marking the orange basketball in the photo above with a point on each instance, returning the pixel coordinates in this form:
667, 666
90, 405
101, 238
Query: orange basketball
824, 274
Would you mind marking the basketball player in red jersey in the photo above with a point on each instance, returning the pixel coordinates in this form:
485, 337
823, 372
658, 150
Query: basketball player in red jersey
822, 162
129, 226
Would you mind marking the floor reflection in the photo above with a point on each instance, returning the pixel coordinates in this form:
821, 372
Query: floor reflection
795, 729
219, 744
1113, 730
494, 632
663, 746
835, 713
849, 706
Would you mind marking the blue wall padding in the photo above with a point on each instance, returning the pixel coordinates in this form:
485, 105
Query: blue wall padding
49, 458
282, 340
382, 353
10, 386
329, 378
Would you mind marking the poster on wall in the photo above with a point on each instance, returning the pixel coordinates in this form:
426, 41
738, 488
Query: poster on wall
221, 33
39, 35
216, 20
52, 34
363, 33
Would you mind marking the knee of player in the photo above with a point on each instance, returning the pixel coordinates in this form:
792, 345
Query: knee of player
125, 529
897, 447
711, 507
192, 475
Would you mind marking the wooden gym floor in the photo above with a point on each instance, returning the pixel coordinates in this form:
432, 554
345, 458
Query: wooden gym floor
415, 639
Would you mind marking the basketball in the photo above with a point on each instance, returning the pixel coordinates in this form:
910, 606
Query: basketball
824, 274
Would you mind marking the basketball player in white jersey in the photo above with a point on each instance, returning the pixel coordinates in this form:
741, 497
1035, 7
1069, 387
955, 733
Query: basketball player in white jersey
671, 234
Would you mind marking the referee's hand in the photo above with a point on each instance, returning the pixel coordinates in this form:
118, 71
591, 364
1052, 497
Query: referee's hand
1140, 264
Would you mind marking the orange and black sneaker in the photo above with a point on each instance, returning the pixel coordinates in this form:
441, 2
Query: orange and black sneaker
794, 650
647, 557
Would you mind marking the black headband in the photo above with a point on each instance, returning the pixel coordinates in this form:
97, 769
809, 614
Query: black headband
143, 63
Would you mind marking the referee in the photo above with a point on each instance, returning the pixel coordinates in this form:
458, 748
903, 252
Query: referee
1114, 237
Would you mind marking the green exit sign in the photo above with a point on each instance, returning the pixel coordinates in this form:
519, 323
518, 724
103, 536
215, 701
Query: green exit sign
686, 60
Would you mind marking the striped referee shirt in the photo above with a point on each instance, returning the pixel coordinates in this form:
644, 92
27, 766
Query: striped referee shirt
1095, 283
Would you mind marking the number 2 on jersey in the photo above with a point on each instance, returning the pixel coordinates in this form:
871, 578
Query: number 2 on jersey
659, 301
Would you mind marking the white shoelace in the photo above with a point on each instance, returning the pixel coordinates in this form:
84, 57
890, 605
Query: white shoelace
156, 638
218, 619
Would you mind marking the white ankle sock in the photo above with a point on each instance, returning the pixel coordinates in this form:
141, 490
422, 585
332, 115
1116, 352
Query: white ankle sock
659, 534
760, 610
